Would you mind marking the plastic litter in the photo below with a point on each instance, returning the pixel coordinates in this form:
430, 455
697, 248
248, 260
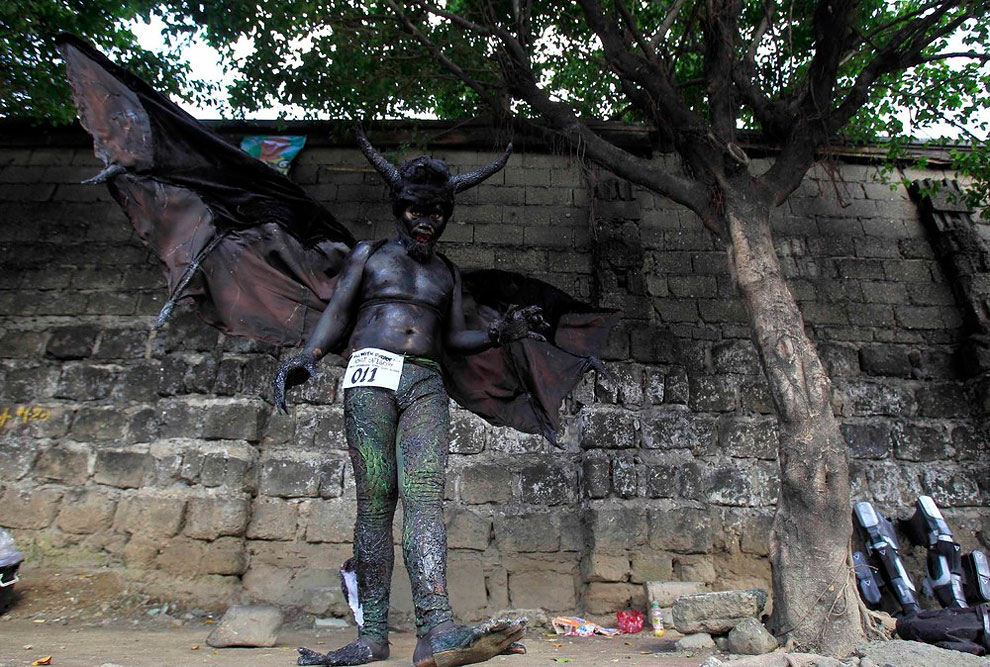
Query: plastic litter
630, 621
573, 626
656, 620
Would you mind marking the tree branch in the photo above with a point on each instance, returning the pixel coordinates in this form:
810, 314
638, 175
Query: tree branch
721, 25
562, 119
453, 67
816, 123
984, 57
647, 49
667, 106
667, 23
520, 79
902, 51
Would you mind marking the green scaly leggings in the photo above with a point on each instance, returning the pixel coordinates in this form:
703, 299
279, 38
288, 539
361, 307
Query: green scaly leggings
398, 446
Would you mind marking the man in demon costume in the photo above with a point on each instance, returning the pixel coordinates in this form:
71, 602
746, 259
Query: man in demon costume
401, 300
259, 258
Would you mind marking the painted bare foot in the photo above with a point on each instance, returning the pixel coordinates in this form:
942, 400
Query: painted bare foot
449, 645
359, 652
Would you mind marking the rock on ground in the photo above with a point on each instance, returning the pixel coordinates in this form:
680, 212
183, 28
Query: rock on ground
893, 653
694, 642
247, 625
749, 637
717, 613
780, 660
905, 653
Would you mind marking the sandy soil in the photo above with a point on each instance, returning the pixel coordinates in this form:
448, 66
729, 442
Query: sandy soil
92, 619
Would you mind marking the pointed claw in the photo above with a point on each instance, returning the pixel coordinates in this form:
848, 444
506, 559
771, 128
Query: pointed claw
515, 648
109, 172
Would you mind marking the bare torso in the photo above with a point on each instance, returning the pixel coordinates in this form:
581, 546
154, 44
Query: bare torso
402, 304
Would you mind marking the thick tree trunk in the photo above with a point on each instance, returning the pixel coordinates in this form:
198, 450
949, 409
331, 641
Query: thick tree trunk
815, 600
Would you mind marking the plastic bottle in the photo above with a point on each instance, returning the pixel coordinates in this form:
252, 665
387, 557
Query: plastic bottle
656, 620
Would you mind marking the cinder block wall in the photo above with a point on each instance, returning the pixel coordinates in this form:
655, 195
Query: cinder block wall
158, 453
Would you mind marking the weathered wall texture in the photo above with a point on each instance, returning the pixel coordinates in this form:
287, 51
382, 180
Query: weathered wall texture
160, 452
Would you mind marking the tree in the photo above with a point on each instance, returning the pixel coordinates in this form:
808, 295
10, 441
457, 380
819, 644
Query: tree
33, 82
800, 74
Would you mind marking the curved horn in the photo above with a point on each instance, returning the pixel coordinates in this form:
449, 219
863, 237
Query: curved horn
462, 182
383, 166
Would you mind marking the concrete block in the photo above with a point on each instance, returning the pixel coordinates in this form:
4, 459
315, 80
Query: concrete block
717, 613
290, 477
544, 484
467, 529
212, 517
684, 530
125, 470
746, 437
527, 533
953, 487
868, 440
150, 516
234, 421
181, 556
625, 477
596, 480
86, 511
31, 509
466, 582
75, 342
605, 567
272, 520
224, 468
669, 428
225, 555
616, 530
649, 566
608, 428
64, 463
713, 393
469, 433
666, 593
608, 598
534, 589
17, 455
331, 520
85, 382
99, 424
486, 483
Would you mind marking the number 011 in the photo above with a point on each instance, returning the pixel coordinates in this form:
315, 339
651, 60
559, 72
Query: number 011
363, 375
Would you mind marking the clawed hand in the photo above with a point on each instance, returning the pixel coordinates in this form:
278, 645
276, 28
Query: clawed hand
519, 323
294, 371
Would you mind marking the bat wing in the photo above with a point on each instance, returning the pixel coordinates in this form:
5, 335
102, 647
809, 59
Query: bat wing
523, 383
256, 254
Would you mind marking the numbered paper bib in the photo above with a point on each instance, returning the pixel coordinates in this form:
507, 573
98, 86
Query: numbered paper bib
371, 367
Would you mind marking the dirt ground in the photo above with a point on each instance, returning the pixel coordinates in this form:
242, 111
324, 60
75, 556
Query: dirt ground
91, 619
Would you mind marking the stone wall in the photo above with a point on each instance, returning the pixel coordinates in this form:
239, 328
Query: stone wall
157, 452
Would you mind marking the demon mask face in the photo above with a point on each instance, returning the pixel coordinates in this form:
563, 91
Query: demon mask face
422, 193
419, 226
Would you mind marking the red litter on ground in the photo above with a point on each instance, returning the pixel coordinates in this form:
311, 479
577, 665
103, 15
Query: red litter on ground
630, 621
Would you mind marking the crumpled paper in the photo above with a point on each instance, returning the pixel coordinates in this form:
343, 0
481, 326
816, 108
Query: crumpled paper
573, 626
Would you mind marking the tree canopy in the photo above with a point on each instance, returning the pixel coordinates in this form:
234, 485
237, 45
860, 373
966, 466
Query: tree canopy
839, 69
32, 78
